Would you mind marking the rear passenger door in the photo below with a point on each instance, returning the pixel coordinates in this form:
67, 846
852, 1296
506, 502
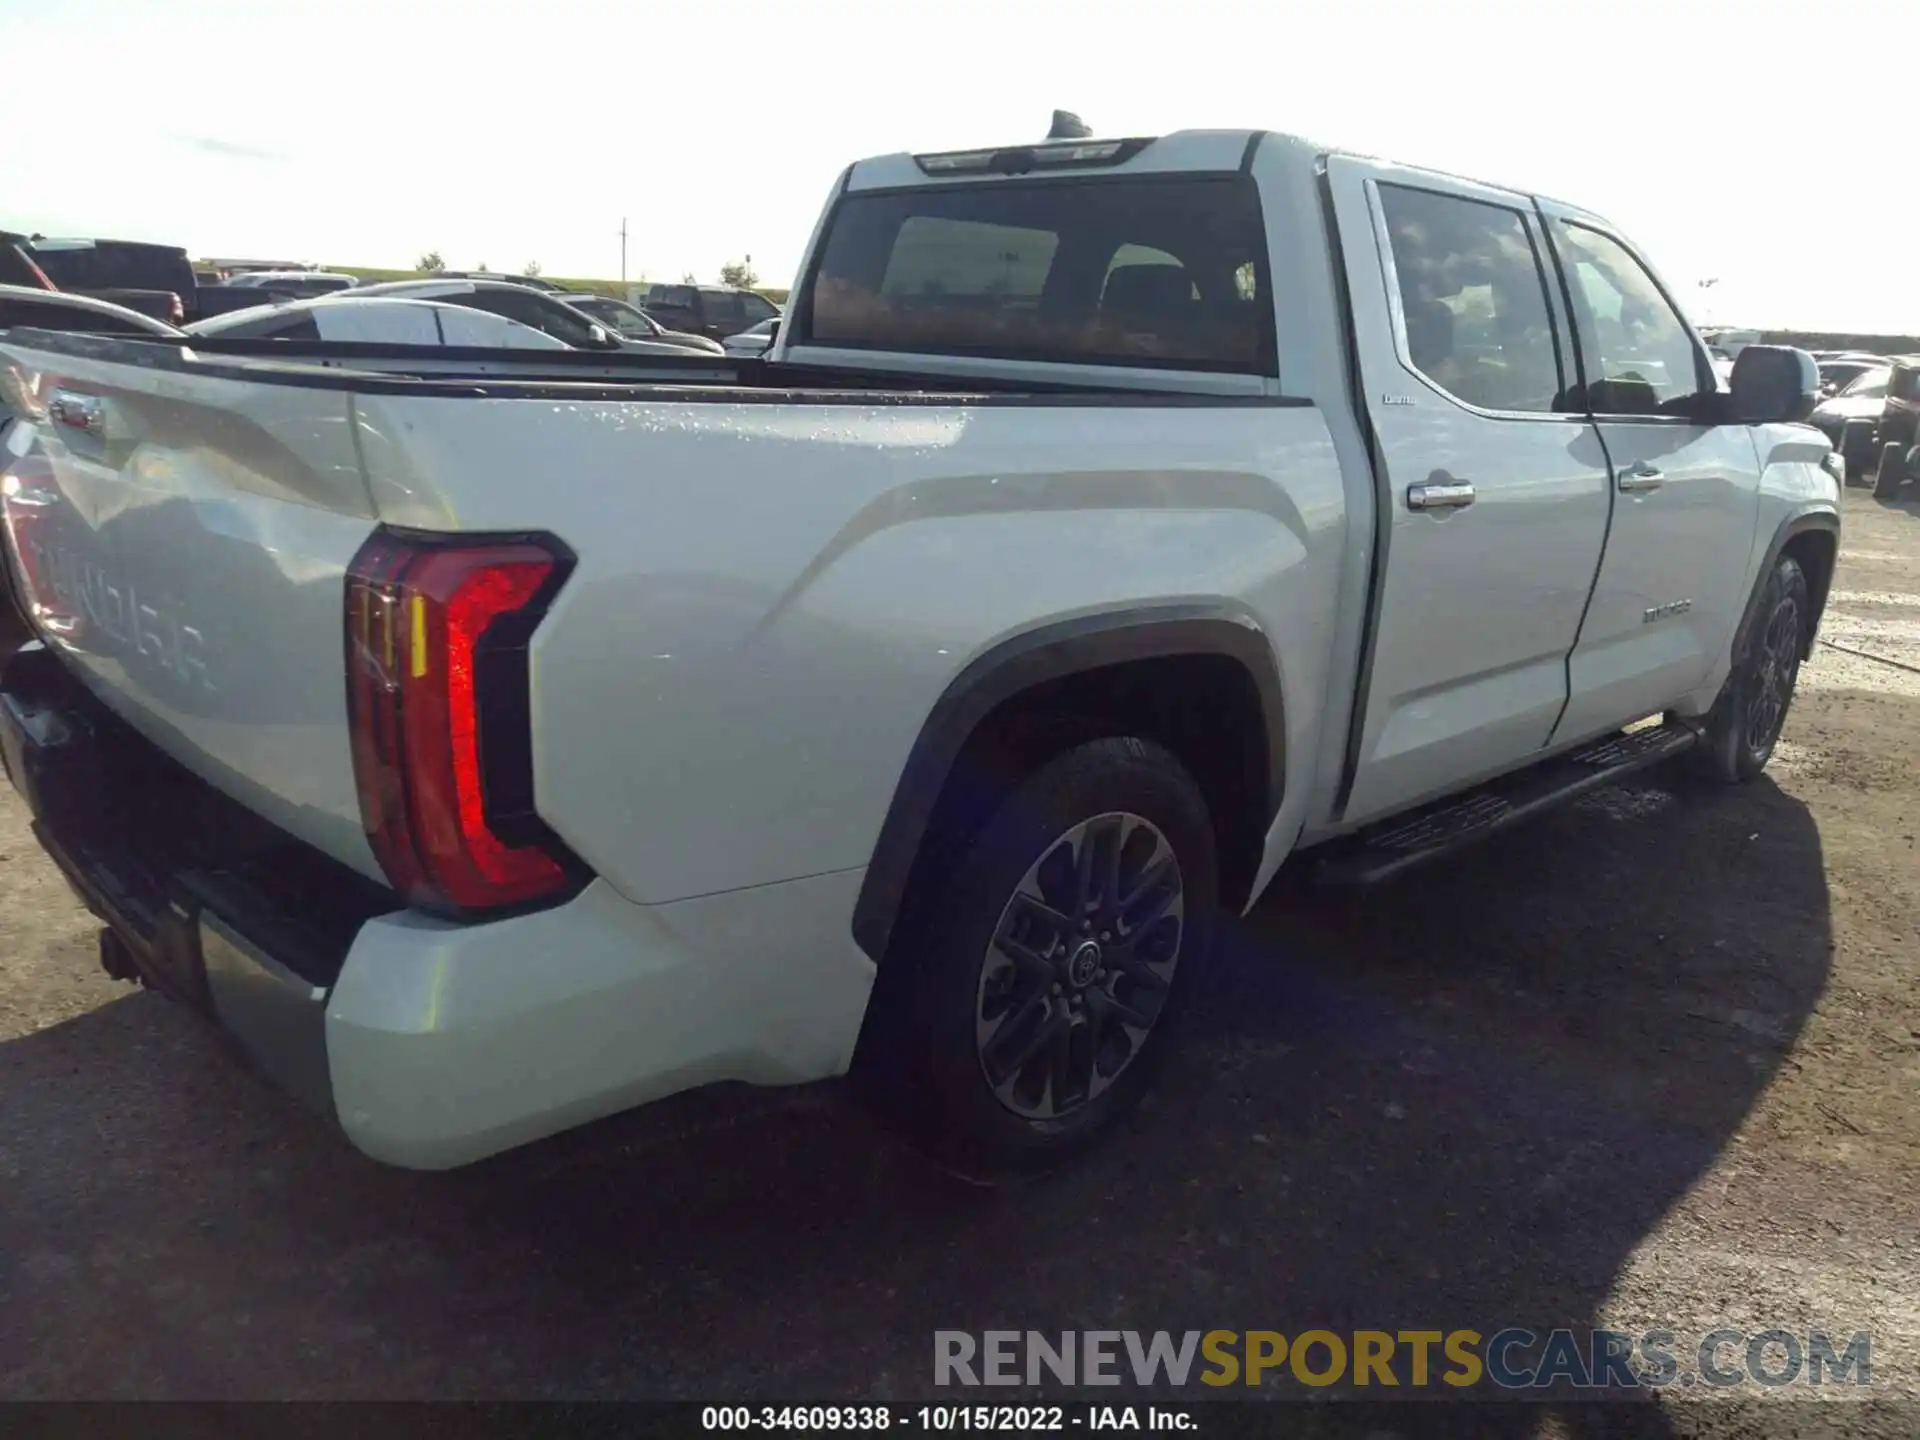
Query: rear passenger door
1685, 493
721, 313
674, 307
1495, 508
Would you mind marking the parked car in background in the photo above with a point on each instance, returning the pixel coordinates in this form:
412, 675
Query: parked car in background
1840, 370
541, 310
532, 282
1849, 418
715, 311
631, 323
294, 284
752, 341
44, 309
378, 320
1732, 342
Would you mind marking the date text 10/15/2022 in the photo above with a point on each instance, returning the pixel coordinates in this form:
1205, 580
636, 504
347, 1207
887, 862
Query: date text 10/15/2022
941, 1418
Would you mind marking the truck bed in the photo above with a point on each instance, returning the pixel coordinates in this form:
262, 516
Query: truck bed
734, 527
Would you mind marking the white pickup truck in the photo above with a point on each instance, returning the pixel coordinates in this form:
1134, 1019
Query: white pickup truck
494, 742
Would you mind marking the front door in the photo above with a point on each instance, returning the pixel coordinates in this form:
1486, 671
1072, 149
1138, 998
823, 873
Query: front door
1496, 502
1685, 494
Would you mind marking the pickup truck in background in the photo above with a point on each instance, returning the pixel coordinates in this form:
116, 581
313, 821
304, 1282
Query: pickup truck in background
492, 745
155, 280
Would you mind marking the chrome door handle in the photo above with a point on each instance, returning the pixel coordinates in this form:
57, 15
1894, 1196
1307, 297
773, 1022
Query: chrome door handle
1639, 476
1440, 495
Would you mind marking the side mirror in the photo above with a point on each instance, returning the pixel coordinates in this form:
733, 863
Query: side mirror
773, 331
1773, 384
601, 339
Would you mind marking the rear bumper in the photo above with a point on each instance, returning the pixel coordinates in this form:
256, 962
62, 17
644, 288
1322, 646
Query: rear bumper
429, 1044
202, 900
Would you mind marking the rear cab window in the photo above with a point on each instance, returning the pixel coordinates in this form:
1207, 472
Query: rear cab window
1161, 272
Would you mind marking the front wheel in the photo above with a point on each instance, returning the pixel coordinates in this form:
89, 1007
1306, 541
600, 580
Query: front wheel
1745, 723
1056, 960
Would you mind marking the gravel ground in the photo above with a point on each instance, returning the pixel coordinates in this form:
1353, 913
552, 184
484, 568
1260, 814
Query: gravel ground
1650, 1061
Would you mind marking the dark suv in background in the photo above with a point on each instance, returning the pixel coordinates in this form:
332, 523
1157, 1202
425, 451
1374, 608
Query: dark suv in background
715, 311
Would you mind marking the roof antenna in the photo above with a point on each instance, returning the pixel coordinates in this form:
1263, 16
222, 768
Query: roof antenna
1068, 126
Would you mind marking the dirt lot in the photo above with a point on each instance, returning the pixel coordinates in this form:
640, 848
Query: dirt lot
1653, 1060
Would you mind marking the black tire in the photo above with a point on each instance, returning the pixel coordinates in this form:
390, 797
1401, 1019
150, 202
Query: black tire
1893, 470
979, 990
1744, 725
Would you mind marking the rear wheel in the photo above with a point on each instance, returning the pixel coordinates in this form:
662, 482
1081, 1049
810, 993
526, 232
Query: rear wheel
1054, 962
1745, 723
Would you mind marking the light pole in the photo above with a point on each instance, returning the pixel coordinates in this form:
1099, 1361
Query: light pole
623, 252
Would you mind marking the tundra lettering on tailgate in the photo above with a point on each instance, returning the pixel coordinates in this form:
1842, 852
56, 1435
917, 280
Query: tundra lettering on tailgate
81, 587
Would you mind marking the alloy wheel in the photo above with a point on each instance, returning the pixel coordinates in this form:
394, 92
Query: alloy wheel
1080, 965
1777, 668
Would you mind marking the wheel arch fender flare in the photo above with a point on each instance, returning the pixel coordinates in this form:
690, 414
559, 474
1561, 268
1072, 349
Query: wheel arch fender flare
1034, 657
1823, 520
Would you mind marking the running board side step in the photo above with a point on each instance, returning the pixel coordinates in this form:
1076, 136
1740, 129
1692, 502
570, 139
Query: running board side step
1384, 850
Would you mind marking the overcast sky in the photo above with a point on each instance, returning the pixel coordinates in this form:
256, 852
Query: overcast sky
1751, 144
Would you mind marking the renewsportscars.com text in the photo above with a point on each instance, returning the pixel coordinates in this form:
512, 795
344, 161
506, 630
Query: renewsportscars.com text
1509, 1359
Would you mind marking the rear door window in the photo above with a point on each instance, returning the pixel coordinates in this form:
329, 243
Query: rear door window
722, 308
1473, 300
460, 326
1149, 272
530, 307
373, 322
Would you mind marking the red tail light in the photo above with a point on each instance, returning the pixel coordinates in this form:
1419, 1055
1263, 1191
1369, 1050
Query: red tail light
442, 735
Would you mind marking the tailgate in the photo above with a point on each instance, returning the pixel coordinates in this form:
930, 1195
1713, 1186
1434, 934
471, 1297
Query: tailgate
182, 540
